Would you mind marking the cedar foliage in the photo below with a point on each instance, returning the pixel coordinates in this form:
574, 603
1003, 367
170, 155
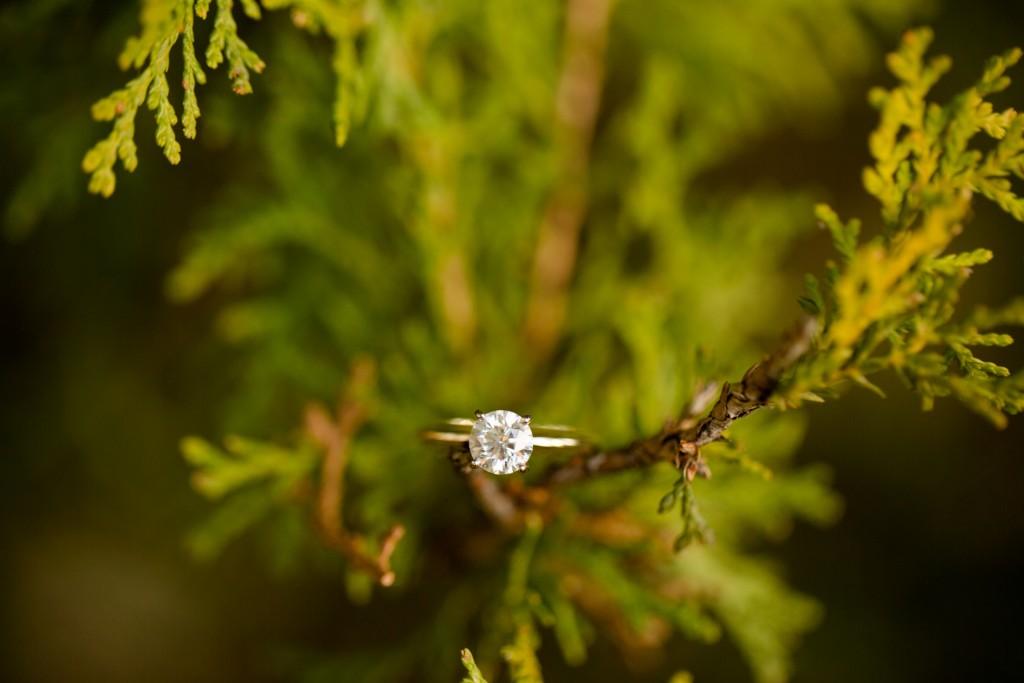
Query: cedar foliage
413, 270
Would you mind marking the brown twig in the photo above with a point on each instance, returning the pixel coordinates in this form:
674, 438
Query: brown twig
335, 437
578, 98
680, 441
757, 386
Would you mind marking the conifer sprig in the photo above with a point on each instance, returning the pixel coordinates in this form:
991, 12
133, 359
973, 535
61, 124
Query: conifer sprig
225, 43
891, 304
163, 22
161, 25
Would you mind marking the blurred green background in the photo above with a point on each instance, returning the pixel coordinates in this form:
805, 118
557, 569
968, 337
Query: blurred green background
100, 377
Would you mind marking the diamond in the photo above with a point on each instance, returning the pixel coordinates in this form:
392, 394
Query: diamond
501, 442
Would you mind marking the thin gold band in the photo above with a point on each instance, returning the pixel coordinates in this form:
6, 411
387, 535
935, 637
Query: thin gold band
544, 436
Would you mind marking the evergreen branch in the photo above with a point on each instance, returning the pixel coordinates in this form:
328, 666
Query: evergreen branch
226, 43
335, 438
161, 21
891, 304
577, 102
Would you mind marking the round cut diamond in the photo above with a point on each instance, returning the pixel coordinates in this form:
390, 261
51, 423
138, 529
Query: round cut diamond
501, 442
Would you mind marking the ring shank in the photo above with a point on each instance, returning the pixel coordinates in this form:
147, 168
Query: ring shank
544, 436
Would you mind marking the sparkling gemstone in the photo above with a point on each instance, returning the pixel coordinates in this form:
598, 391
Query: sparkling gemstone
501, 442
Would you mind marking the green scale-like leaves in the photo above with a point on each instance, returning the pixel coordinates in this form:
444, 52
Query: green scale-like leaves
892, 303
163, 22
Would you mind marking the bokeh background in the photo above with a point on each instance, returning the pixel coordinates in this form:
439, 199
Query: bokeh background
100, 377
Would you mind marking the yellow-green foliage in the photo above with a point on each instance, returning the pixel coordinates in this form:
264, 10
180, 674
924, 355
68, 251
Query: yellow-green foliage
891, 304
161, 27
163, 21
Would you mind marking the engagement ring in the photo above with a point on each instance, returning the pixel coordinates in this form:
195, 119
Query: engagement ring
501, 442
